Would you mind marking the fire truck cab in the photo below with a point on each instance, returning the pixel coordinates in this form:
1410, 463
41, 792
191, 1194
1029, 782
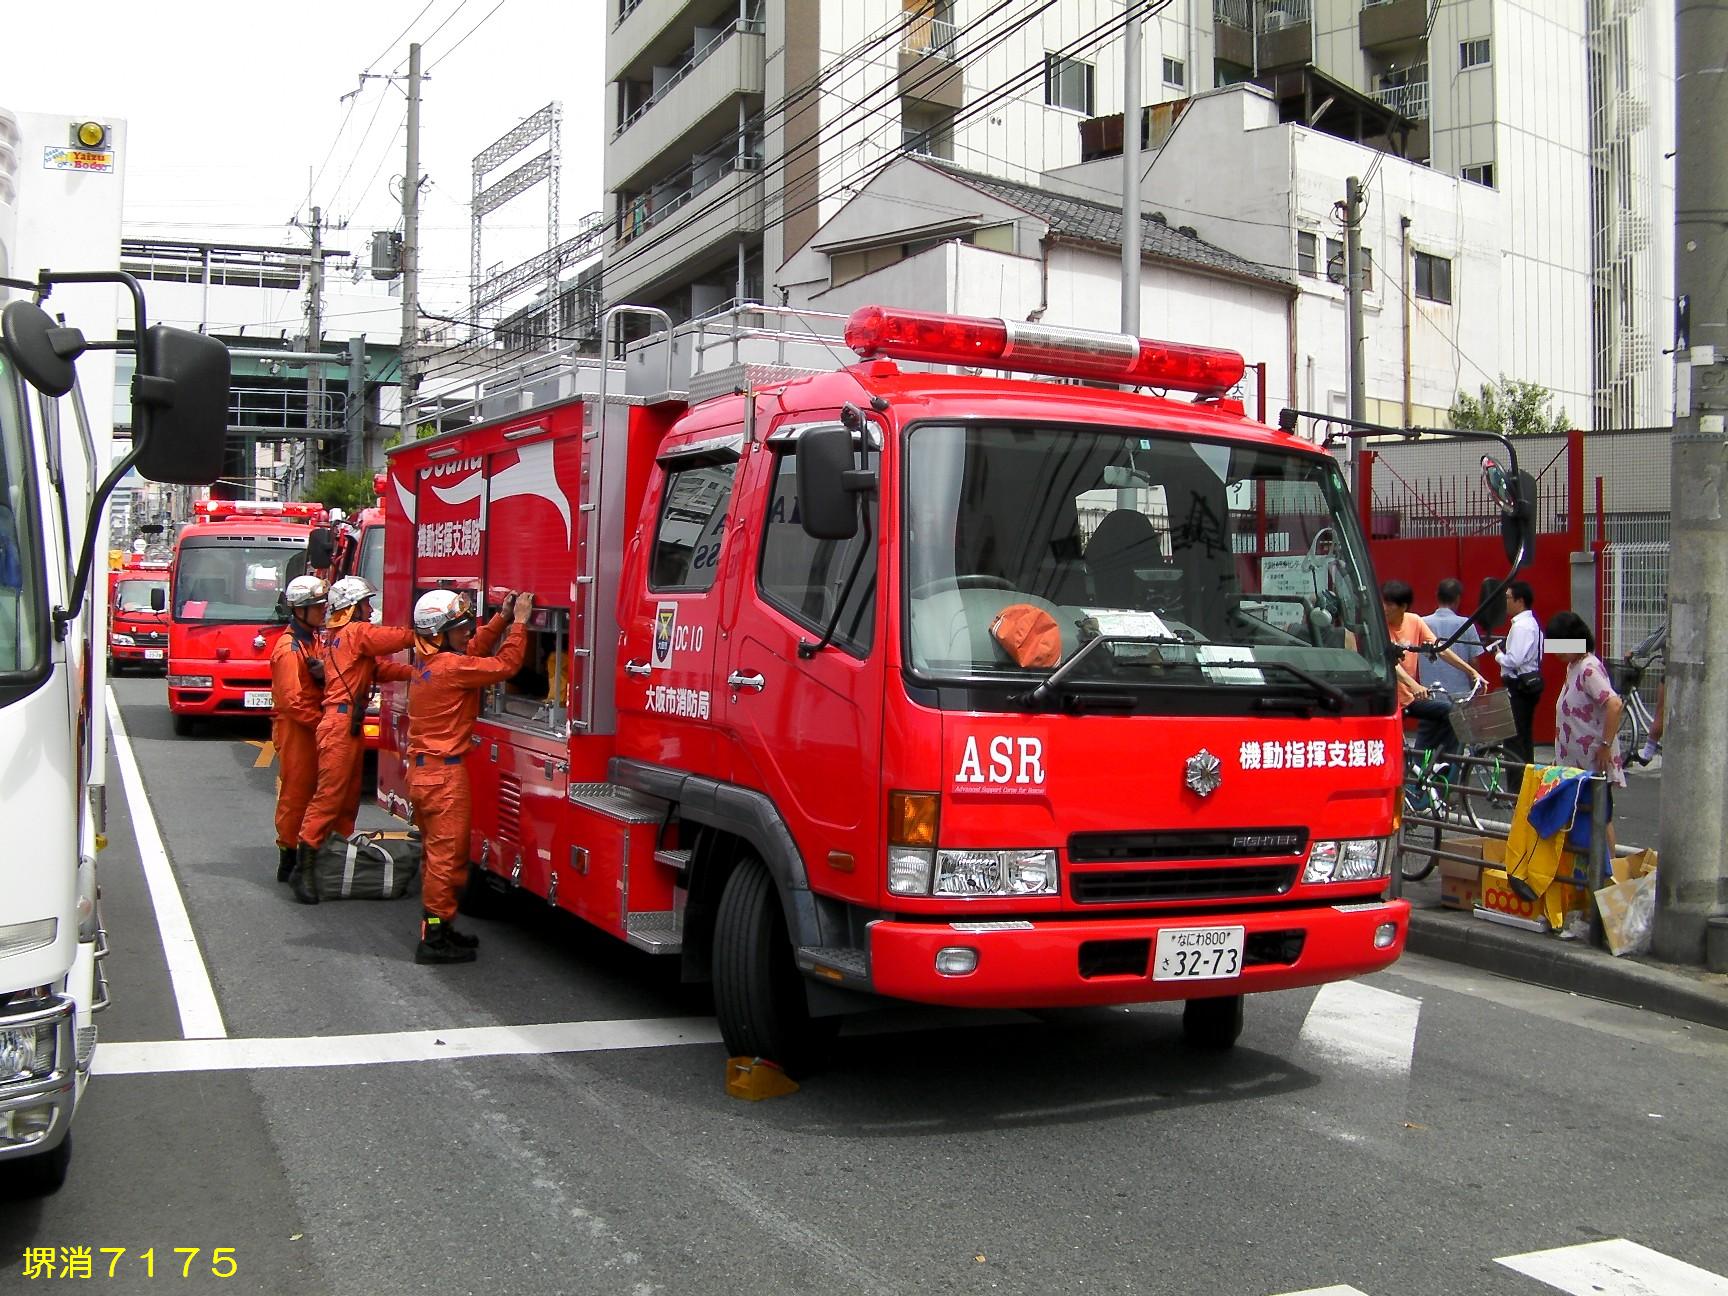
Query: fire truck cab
354, 546
232, 564
980, 691
138, 615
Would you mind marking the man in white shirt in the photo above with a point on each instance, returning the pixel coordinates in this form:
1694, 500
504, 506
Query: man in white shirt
1444, 621
1520, 663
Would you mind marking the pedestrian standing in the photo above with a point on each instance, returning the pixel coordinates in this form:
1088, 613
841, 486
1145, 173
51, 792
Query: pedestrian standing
297, 693
1520, 663
1410, 632
450, 669
1445, 621
1587, 714
351, 646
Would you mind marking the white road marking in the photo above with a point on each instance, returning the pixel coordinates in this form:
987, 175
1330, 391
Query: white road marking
1339, 1290
166, 1056
1616, 1268
1362, 1025
200, 1015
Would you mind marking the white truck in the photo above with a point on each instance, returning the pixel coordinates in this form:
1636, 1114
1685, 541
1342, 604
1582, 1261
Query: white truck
60, 206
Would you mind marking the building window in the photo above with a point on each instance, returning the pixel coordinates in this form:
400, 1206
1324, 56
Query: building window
692, 524
1433, 278
1482, 174
1068, 83
1335, 264
1307, 253
1472, 54
1175, 73
929, 131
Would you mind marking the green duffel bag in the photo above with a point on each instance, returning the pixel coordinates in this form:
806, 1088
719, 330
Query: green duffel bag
368, 866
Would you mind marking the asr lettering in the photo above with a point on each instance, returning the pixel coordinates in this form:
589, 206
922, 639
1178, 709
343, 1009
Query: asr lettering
1012, 762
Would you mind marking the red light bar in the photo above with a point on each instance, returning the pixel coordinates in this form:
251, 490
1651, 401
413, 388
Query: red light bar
1037, 348
217, 510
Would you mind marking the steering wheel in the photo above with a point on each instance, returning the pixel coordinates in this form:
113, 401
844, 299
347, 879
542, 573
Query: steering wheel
971, 580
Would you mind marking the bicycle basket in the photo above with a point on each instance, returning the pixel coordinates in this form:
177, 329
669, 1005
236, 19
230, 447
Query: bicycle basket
1626, 675
1486, 718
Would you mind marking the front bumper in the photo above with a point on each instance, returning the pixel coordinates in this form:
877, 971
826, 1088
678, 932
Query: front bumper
226, 696
1054, 963
57, 1092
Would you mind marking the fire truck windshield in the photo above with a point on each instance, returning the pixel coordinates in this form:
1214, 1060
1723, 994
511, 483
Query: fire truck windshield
1211, 567
371, 567
218, 580
134, 595
23, 597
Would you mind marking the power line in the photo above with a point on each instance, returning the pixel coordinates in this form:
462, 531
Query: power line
465, 35
427, 40
358, 149
399, 35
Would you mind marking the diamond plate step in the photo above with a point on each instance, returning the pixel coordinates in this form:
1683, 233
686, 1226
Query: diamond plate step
618, 802
852, 964
676, 860
660, 932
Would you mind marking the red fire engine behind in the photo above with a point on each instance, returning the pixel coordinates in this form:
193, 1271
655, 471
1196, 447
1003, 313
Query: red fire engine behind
801, 759
138, 615
232, 563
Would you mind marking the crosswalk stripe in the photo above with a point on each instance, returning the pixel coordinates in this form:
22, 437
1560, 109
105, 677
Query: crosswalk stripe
1339, 1290
1363, 1025
1615, 1268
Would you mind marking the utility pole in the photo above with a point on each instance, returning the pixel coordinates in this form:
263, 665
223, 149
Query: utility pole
1353, 289
354, 409
1692, 889
410, 241
315, 342
1131, 171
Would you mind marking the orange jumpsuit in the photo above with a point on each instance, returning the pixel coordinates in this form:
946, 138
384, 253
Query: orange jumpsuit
443, 700
293, 731
351, 665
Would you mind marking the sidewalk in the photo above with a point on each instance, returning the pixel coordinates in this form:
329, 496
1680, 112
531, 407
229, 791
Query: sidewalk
1691, 994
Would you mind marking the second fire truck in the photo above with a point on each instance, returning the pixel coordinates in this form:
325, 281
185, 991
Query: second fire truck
976, 691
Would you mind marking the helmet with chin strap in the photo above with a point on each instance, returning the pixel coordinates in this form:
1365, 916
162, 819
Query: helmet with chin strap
438, 611
306, 591
350, 591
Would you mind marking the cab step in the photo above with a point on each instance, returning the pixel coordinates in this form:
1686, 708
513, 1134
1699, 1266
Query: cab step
840, 965
658, 933
617, 802
676, 860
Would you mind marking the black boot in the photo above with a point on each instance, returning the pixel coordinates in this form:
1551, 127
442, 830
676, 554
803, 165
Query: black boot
285, 860
436, 943
460, 939
304, 879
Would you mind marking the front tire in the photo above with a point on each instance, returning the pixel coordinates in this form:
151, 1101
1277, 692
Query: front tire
183, 725
758, 990
41, 1175
1212, 1023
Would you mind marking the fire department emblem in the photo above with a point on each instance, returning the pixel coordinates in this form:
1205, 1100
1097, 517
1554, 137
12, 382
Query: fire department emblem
665, 624
1204, 772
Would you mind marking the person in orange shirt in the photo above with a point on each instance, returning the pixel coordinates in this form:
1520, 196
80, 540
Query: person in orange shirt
450, 669
351, 647
1433, 728
297, 692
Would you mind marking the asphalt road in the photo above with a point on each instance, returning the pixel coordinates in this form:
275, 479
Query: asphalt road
1407, 1134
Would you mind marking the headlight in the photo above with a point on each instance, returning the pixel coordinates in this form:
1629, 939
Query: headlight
190, 681
995, 872
21, 938
1358, 859
26, 1052
908, 870
124, 640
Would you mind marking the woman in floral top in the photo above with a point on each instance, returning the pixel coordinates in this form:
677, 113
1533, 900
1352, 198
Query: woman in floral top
1587, 718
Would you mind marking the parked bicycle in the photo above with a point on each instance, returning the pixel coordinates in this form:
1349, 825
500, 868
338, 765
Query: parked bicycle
1460, 785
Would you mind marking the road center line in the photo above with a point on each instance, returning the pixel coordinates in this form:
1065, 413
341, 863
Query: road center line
1363, 1026
194, 996
1615, 1268
158, 1057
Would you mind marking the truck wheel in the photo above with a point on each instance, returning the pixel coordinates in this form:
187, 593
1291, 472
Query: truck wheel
1212, 1023
758, 990
182, 725
42, 1174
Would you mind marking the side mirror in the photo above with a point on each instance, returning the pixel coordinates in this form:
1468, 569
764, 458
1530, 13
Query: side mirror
158, 600
182, 380
320, 547
43, 350
829, 484
1516, 497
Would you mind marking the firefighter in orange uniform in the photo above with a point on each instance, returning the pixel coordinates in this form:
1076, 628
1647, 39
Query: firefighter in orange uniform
297, 691
450, 669
351, 647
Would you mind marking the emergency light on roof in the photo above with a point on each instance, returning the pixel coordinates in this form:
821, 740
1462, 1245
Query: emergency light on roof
219, 510
1037, 348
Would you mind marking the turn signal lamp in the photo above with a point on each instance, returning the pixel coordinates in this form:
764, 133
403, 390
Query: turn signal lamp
912, 818
879, 331
91, 134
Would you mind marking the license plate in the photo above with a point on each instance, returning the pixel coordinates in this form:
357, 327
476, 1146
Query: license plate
258, 698
152, 654
1198, 954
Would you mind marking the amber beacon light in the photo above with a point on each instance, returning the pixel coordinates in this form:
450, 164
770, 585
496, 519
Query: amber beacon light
879, 331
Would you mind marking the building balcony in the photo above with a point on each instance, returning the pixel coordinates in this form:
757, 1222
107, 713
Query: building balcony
661, 238
693, 106
1386, 23
1407, 100
1264, 34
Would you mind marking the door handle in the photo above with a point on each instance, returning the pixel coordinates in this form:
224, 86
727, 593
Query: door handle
638, 668
739, 680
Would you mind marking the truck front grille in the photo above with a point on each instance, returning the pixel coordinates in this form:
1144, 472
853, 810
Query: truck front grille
1187, 844
1134, 886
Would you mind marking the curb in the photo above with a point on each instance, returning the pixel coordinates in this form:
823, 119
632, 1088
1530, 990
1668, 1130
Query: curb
1567, 966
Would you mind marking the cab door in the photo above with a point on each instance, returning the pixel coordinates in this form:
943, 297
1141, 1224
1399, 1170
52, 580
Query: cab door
671, 634
808, 723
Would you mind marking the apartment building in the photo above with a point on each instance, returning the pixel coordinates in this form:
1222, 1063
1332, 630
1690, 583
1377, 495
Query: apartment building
738, 128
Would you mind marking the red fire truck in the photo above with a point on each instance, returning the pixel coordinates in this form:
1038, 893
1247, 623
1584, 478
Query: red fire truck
138, 615
232, 563
775, 721
354, 546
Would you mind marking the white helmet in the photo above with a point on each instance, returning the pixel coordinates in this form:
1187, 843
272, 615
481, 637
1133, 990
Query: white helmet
349, 592
305, 591
437, 610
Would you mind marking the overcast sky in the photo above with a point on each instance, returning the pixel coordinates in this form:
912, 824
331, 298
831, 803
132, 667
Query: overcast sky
234, 109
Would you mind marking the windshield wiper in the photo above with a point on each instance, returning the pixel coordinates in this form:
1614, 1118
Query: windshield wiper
1331, 696
1060, 675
